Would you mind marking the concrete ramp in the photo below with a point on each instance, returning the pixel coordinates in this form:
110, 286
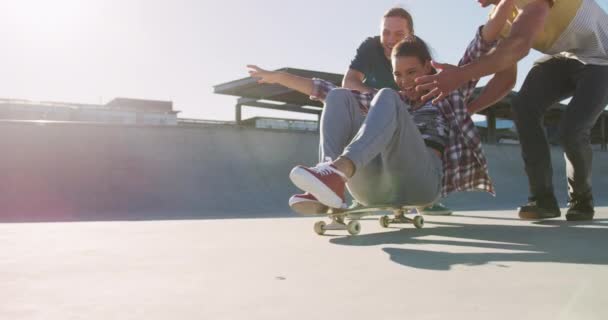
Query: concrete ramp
73, 172
92, 172
507, 171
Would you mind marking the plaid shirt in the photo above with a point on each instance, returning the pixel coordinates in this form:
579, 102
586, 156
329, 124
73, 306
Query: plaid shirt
464, 164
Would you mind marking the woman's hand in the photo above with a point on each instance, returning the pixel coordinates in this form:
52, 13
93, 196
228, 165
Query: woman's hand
263, 76
291, 81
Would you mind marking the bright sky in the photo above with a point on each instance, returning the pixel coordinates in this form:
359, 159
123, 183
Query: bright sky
92, 51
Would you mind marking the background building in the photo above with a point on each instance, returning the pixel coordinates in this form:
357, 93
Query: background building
118, 111
282, 124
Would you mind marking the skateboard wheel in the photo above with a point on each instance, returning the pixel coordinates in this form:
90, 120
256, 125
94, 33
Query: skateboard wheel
418, 222
354, 227
385, 221
320, 228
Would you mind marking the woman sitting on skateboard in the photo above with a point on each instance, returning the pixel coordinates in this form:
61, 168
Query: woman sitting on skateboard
388, 147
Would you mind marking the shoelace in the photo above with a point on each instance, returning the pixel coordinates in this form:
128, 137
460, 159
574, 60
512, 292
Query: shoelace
324, 169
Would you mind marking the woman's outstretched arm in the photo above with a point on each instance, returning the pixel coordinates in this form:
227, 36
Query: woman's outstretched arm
291, 81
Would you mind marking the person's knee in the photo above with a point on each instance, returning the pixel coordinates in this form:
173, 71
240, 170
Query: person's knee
388, 93
386, 99
337, 101
516, 105
337, 96
571, 138
521, 112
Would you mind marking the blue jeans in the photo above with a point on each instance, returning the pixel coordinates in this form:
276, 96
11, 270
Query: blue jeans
393, 164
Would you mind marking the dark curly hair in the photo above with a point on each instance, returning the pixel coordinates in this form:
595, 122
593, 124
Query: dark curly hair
412, 47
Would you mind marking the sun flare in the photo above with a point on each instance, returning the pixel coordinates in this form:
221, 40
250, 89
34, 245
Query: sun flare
46, 20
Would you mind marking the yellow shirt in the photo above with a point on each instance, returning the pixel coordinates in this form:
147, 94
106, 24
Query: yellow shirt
561, 15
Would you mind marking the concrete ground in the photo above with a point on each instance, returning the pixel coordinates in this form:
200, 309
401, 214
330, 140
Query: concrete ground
474, 265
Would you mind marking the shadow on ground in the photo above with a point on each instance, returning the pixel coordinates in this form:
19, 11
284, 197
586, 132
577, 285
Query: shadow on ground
547, 242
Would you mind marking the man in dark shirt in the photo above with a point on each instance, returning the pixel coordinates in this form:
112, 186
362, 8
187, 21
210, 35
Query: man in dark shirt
371, 68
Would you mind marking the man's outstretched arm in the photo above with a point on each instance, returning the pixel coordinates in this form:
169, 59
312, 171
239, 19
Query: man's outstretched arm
497, 88
509, 51
516, 46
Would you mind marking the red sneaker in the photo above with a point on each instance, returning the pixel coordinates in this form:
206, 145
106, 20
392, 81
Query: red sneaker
306, 203
324, 182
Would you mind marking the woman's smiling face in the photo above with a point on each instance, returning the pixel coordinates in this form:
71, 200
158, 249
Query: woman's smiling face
405, 70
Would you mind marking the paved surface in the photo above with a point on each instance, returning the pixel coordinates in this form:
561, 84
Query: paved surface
476, 265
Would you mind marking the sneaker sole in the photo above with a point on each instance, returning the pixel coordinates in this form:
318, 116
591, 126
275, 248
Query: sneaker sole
308, 207
309, 183
579, 217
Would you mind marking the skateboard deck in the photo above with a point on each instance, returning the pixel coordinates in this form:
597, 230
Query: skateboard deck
354, 213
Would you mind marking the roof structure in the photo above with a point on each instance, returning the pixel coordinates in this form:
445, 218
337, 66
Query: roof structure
277, 97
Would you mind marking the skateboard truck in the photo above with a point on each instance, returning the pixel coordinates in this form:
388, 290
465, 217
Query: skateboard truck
400, 218
337, 223
338, 218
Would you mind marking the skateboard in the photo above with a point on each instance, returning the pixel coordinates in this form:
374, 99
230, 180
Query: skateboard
356, 212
